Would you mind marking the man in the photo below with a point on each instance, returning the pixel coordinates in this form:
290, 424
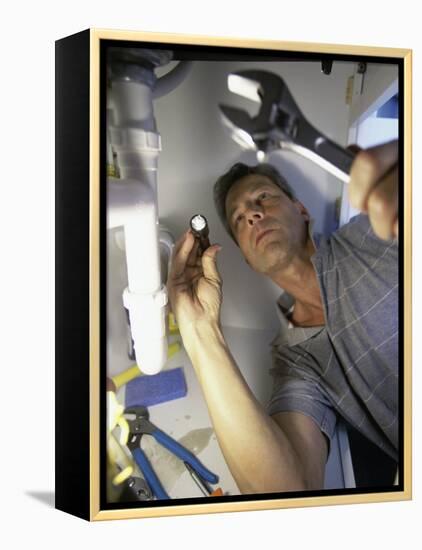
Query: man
339, 355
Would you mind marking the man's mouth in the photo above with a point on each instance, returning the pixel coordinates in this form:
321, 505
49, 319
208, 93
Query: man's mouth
261, 235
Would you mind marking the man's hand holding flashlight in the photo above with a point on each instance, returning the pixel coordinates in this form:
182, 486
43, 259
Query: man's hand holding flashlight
194, 285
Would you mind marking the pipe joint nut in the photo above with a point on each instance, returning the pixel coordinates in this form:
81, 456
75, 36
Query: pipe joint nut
144, 302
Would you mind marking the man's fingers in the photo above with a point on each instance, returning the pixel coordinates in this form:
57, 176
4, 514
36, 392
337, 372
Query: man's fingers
181, 254
179, 242
193, 259
382, 206
367, 169
354, 148
209, 263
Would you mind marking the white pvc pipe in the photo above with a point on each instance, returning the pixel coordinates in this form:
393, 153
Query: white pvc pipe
131, 204
167, 243
133, 105
172, 79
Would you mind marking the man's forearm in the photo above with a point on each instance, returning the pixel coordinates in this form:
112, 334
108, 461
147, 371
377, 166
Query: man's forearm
259, 455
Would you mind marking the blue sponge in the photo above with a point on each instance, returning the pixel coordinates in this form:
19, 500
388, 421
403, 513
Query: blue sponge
157, 388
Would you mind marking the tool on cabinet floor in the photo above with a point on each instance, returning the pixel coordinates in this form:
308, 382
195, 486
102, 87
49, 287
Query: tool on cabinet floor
140, 426
203, 485
138, 488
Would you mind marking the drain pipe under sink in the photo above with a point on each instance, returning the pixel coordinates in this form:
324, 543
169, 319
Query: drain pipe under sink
132, 199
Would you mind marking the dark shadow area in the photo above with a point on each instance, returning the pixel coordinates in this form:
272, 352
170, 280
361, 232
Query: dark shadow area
45, 497
372, 467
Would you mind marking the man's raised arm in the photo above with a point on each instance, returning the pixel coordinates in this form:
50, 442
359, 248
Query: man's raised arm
287, 453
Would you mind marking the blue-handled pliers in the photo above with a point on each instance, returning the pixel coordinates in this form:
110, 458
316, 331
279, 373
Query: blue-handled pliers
140, 426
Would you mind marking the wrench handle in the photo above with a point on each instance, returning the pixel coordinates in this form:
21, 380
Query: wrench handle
321, 150
333, 153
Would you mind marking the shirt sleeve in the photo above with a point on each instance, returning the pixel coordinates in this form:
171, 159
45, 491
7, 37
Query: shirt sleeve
294, 391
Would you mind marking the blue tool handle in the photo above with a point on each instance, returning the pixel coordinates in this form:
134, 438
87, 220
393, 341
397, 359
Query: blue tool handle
185, 455
150, 476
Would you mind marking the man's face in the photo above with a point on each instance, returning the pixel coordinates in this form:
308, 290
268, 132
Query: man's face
268, 226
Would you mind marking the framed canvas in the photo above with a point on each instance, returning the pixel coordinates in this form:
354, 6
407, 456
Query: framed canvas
289, 385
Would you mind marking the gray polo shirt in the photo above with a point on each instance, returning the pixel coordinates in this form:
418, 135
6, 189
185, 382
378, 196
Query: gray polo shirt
349, 366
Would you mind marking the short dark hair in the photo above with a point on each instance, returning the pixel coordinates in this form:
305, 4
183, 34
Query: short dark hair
239, 170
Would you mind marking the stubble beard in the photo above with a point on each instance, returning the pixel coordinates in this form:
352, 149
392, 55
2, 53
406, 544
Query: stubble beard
274, 258
277, 255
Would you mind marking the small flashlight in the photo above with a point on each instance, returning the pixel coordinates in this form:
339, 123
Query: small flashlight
200, 230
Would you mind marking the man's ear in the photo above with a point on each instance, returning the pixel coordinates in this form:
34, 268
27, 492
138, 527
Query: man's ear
302, 210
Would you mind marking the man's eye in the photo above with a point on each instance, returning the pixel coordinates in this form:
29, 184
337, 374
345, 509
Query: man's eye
238, 218
264, 195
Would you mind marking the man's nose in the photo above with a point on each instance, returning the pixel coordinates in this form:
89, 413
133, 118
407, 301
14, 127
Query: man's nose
254, 215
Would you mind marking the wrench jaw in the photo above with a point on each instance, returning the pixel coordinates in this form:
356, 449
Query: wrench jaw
241, 129
280, 124
276, 120
245, 86
238, 123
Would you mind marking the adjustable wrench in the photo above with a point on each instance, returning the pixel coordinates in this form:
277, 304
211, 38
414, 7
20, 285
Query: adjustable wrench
280, 124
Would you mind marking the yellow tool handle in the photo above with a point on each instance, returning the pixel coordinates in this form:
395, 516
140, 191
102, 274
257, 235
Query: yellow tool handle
126, 376
173, 326
117, 455
133, 372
